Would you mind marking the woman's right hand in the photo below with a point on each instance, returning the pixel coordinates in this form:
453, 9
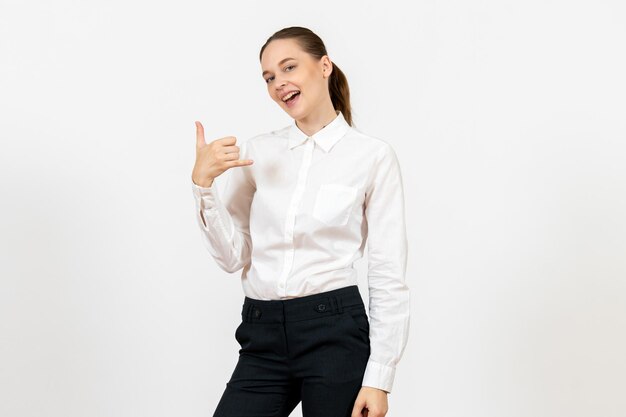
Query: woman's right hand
214, 158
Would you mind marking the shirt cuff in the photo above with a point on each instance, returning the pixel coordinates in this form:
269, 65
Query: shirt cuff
379, 376
208, 195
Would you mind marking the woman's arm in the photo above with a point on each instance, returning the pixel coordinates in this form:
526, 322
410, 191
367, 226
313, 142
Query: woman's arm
387, 258
224, 220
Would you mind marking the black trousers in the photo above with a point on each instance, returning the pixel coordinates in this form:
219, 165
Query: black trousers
312, 349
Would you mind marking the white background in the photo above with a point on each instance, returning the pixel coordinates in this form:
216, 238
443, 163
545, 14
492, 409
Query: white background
508, 118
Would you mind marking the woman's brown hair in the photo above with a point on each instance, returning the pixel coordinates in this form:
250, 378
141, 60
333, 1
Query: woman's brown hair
313, 45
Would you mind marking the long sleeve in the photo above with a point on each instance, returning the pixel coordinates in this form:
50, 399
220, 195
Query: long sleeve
224, 220
389, 301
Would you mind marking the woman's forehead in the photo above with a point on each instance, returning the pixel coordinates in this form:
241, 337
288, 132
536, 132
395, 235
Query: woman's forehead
278, 50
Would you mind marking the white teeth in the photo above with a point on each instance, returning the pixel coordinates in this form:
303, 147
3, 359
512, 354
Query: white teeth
288, 96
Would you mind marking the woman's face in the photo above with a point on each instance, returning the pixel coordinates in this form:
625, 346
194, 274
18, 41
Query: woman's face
287, 68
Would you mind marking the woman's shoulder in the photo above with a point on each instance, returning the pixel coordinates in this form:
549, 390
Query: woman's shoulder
268, 141
371, 142
269, 135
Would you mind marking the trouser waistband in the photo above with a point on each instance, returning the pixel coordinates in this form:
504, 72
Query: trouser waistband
302, 308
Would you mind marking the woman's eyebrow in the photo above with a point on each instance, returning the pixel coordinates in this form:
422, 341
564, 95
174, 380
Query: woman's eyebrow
279, 64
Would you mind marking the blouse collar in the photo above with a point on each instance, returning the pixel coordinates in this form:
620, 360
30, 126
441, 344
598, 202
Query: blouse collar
325, 137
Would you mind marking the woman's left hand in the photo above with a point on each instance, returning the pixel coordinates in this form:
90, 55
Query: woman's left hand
371, 402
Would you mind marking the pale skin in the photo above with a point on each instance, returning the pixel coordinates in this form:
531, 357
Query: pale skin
312, 112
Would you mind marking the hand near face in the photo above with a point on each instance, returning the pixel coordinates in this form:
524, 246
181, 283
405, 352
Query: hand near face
214, 158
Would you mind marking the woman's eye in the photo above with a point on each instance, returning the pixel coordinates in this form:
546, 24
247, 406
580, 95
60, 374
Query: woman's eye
270, 78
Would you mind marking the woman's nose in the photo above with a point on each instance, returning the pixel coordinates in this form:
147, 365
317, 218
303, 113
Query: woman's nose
279, 89
280, 82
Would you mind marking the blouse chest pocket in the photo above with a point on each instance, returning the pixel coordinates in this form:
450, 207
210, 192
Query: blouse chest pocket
333, 203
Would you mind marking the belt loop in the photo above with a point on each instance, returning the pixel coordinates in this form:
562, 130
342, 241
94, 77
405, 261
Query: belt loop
333, 305
336, 303
251, 312
339, 306
247, 314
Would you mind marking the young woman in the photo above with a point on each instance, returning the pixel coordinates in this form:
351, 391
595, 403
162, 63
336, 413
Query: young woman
297, 210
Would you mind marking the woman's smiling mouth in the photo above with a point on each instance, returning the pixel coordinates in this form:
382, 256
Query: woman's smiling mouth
291, 98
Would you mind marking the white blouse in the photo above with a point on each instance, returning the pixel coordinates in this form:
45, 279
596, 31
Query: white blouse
298, 218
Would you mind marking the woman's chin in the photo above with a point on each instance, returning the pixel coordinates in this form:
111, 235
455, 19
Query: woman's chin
296, 113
